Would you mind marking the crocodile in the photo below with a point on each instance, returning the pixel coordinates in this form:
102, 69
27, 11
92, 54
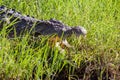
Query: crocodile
41, 27
18, 24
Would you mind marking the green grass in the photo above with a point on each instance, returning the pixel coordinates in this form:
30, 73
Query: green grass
98, 53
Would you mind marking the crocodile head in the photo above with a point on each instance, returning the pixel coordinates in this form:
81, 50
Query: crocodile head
79, 31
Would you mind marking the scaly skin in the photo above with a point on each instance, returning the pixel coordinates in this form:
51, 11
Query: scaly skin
38, 27
22, 24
